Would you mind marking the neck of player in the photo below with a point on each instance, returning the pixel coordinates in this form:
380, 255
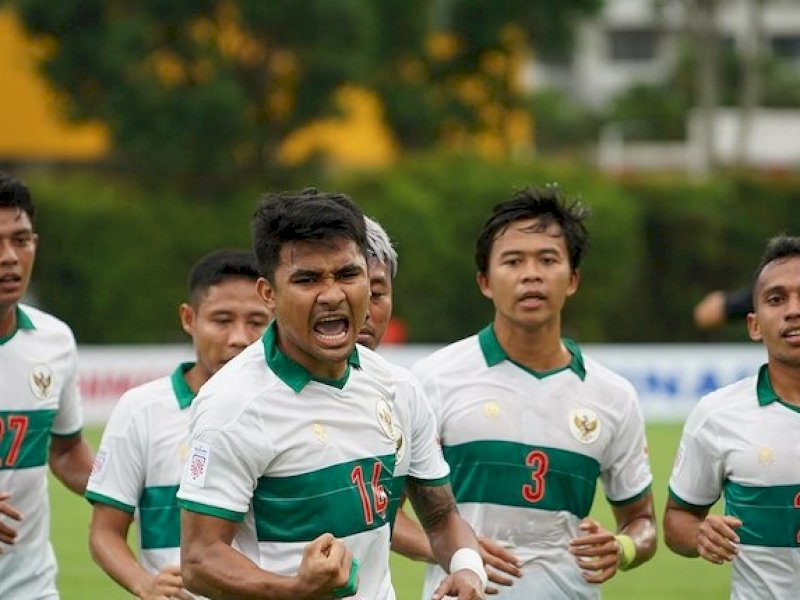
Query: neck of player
538, 347
785, 381
8, 319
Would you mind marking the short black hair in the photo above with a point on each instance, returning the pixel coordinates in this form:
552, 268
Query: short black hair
306, 215
15, 194
548, 206
778, 247
218, 266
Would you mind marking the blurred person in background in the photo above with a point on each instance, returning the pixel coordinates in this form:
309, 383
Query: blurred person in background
528, 423
742, 441
40, 410
719, 307
138, 466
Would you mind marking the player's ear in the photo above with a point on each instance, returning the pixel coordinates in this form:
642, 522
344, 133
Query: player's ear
574, 282
266, 291
186, 313
483, 284
753, 328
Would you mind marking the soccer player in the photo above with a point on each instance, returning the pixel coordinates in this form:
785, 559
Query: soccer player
138, 466
528, 422
742, 440
40, 411
382, 263
300, 445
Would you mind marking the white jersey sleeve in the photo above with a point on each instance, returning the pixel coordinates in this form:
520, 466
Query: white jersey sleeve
698, 471
427, 461
118, 473
625, 472
222, 470
69, 418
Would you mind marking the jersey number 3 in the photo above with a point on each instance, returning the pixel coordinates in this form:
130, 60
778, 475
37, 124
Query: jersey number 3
17, 426
539, 463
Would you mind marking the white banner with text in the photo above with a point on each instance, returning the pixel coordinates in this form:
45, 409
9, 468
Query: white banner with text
669, 378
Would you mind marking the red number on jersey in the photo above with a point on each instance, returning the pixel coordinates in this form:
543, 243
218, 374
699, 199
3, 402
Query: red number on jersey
380, 499
20, 426
539, 462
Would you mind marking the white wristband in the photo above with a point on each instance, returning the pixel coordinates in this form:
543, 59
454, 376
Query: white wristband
467, 558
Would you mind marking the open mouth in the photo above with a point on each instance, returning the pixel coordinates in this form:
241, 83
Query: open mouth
333, 330
10, 280
532, 299
792, 335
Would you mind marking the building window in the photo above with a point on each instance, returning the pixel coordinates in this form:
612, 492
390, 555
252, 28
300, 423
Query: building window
638, 45
786, 46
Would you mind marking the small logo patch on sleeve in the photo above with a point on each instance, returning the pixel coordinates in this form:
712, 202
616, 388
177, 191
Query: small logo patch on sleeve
99, 465
196, 467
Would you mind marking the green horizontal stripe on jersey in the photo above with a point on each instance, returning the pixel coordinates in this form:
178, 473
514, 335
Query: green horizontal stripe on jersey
768, 514
302, 507
24, 438
159, 517
495, 472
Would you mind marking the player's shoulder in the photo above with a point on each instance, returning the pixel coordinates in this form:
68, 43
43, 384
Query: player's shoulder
465, 355
233, 388
599, 375
48, 325
143, 397
725, 401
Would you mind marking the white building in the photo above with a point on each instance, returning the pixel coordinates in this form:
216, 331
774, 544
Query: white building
634, 41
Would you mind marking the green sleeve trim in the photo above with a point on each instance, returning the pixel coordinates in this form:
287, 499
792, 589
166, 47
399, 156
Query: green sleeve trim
688, 505
66, 435
95, 497
211, 511
431, 482
647, 490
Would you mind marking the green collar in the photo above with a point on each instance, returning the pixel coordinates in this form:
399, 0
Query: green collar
23, 322
182, 391
293, 374
493, 353
766, 393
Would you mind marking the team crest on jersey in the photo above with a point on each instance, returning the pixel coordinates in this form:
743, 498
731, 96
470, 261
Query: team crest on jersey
491, 409
41, 381
766, 456
584, 425
386, 422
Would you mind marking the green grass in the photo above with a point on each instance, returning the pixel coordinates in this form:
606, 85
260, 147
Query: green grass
666, 577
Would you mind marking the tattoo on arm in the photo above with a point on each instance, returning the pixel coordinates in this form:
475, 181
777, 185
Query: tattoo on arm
433, 504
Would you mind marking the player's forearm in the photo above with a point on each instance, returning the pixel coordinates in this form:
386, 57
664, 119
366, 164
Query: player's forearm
72, 465
112, 554
218, 572
409, 539
449, 535
681, 530
643, 533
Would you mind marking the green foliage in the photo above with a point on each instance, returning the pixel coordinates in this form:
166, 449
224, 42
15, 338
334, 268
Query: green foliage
203, 92
113, 260
561, 123
434, 208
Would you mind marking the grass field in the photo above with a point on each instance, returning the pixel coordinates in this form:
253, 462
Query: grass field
666, 577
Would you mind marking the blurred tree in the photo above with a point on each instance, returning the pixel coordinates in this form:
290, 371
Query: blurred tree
204, 92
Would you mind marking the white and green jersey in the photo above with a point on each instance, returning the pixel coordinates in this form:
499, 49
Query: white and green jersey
139, 464
39, 398
525, 451
742, 440
290, 457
